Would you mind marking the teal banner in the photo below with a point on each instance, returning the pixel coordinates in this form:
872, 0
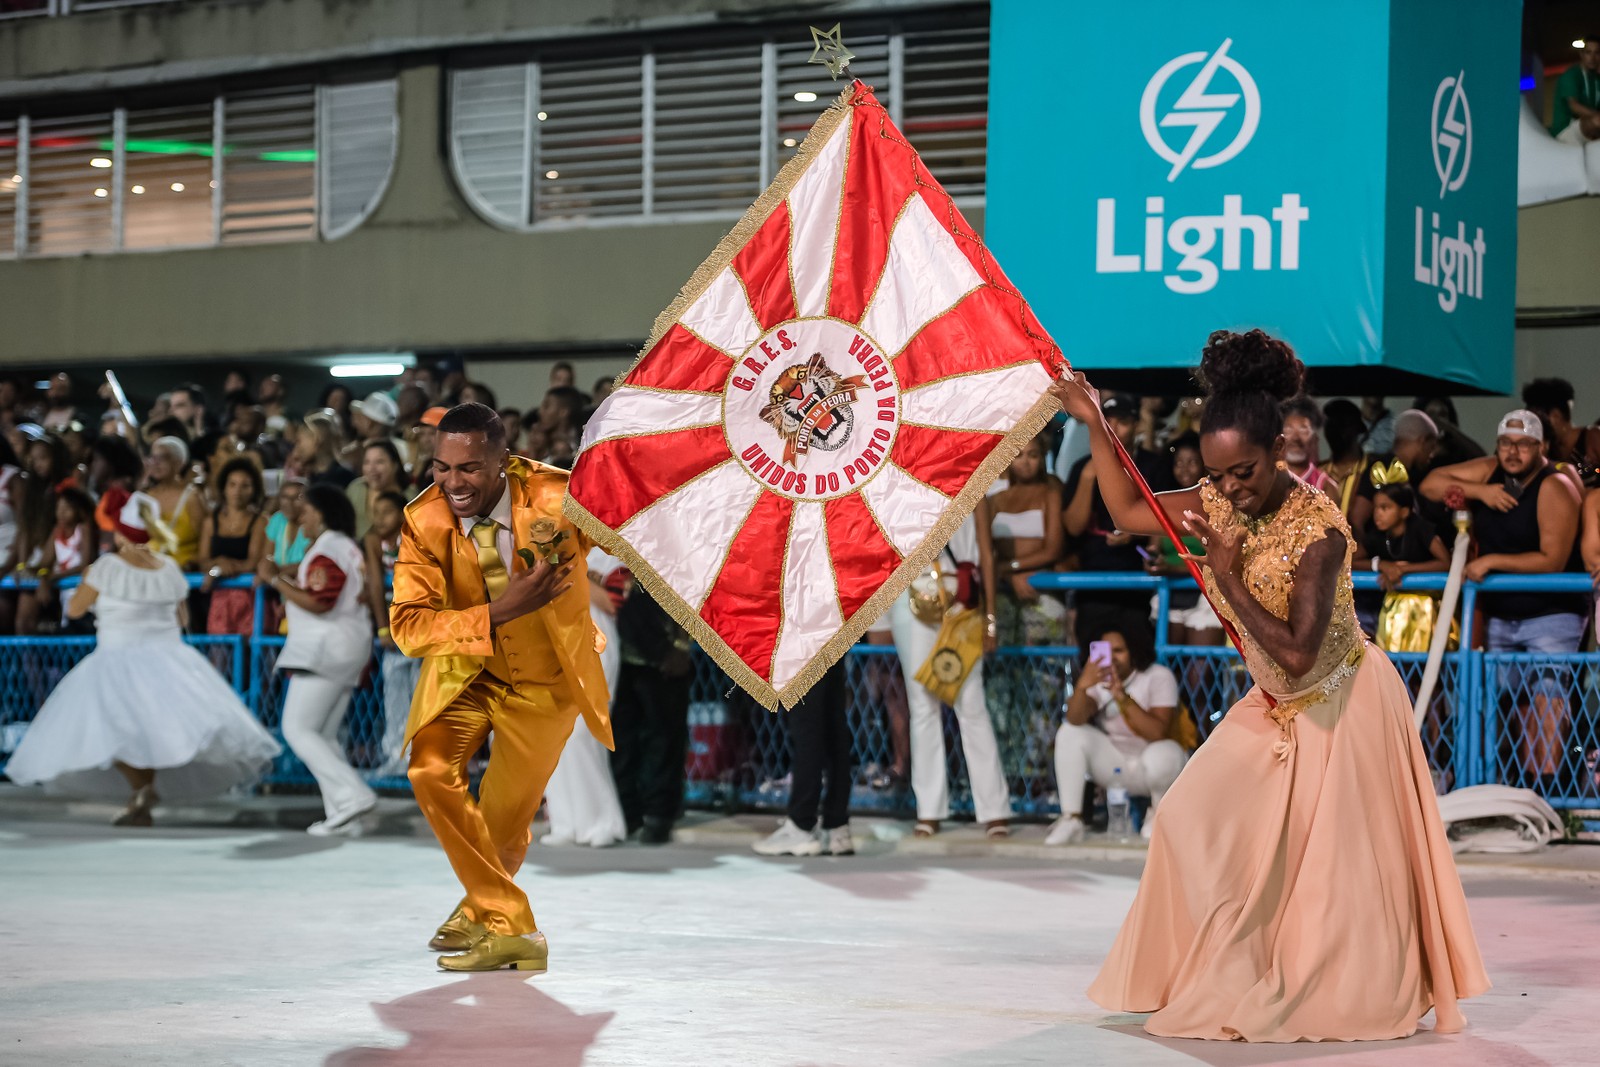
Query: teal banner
1341, 175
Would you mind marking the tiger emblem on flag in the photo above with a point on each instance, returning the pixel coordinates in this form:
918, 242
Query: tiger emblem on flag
812, 406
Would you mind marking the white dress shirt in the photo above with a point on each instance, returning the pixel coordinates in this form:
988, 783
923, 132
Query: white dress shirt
500, 515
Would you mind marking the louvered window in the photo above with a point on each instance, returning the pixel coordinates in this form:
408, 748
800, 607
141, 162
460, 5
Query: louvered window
167, 175
707, 144
268, 173
10, 9
22, 8
69, 181
491, 131
67, 7
944, 104
674, 131
243, 168
589, 150
358, 138
10, 188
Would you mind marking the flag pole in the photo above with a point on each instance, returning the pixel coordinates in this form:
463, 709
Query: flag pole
1160, 513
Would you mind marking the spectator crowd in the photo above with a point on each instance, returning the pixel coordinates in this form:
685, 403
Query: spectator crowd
230, 476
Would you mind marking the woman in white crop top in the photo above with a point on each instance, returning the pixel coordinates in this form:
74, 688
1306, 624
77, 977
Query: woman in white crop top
1024, 521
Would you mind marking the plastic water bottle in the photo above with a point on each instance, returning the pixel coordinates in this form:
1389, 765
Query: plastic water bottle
1119, 825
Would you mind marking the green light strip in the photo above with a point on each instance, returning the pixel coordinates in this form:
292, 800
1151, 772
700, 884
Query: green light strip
163, 148
194, 148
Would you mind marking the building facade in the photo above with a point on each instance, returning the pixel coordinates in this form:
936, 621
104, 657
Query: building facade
237, 180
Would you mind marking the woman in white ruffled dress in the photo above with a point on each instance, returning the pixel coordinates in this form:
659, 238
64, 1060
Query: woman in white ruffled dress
143, 705
582, 796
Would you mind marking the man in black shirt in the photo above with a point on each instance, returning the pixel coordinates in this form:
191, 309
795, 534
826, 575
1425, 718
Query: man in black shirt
1100, 545
1525, 517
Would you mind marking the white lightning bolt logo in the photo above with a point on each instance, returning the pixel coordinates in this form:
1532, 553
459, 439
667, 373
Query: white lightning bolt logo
1200, 109
1452, 134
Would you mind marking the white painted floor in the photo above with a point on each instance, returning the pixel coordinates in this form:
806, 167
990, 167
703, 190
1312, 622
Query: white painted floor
209, 947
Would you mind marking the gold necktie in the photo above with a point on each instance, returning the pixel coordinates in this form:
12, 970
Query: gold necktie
493, 567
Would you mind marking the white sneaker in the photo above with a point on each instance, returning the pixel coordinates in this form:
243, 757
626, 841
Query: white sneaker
840, 843
790, 840
351, 824
1066, 830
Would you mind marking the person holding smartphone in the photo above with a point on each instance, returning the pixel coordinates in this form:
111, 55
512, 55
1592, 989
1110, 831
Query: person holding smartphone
1117, 720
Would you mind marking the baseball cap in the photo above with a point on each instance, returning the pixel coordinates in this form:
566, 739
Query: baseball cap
379, 407
432, 416
1520, 423
1120, 406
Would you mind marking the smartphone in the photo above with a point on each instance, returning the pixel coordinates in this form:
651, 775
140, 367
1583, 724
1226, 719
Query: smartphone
1100, 652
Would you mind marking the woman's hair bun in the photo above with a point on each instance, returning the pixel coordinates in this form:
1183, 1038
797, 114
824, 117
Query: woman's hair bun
1251, 362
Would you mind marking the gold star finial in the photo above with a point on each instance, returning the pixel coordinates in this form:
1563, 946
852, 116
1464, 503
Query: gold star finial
830, 50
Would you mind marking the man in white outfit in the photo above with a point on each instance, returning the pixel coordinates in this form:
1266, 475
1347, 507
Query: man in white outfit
1117, 719
914, 642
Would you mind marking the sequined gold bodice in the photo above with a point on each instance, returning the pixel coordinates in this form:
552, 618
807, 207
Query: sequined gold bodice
1272, 549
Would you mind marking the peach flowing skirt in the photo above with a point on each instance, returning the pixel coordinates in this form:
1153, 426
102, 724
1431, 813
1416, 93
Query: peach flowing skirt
1300, 889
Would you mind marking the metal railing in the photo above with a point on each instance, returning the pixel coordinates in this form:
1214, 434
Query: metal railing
1522, 719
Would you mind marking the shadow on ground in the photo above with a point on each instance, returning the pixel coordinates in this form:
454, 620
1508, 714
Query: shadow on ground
500, 1017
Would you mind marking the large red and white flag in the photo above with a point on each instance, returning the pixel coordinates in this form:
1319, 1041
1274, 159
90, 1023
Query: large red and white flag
823, 404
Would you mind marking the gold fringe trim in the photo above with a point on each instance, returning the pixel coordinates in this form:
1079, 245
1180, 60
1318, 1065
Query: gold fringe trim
752, 220
723, 655
681, 611
955, 513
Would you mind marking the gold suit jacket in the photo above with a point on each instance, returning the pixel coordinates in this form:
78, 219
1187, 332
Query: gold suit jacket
440, 612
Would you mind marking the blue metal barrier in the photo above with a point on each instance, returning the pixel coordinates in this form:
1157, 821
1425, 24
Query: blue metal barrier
1530, 720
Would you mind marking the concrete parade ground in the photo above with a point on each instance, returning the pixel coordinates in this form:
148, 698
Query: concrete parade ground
220, 938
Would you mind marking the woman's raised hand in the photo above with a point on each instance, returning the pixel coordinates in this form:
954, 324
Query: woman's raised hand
1077, 397
1224, 552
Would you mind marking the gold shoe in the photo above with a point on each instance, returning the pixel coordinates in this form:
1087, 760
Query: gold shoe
497, 951
457, 934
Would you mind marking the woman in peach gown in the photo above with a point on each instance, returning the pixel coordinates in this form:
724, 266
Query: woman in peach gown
1299, 886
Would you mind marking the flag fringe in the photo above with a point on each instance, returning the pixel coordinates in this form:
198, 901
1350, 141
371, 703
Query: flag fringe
955, 513
977, 487
752, 220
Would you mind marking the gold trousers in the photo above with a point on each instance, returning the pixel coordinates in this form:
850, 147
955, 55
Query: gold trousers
487, 839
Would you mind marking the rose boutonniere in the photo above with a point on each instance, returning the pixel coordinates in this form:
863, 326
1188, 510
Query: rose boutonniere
545, 539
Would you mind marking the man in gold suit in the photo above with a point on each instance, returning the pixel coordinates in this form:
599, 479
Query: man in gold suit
486, 594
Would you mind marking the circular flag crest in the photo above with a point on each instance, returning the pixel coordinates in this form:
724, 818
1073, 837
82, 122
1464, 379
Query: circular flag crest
811, 409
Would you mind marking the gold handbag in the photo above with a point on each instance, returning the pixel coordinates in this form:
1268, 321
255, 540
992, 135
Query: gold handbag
956, 651
930, 598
